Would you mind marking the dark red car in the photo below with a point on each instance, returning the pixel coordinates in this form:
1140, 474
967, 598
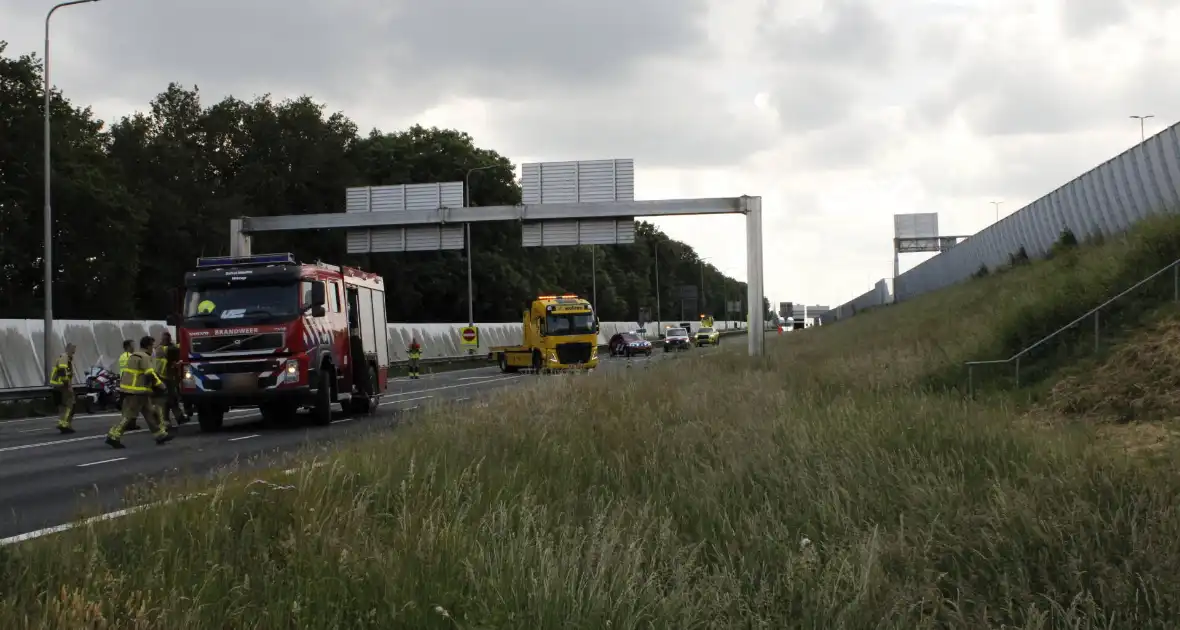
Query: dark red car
628, 345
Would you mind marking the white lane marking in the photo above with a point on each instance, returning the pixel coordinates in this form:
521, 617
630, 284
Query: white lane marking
105, 461
477, 378
462, 399
497, 379
406, 400
56, 442
245, 437
102, 415
37, 430
124, 512
93, 519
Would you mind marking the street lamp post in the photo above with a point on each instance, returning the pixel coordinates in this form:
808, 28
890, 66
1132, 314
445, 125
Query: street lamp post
659, 314
703, 301
47, 257
997, 205
594, 277
1142, 132
467, 238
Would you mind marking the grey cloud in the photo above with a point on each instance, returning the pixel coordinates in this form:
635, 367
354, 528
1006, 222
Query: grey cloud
1001, 96
409, 53
660, 123
1024, 169
850, 34
854, 144
1083, 18
807, 99
826, 66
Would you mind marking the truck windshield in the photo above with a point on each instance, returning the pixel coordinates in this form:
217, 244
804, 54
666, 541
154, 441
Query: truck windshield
253, 302
570, 324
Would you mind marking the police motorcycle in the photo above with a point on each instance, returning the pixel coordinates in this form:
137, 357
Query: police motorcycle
102, 389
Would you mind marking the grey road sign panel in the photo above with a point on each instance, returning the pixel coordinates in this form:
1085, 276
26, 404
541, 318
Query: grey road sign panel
402, 199
688, 291
584, 181
587, 232
922, 225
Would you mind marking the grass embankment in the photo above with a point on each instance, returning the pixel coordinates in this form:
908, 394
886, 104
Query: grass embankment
830, 485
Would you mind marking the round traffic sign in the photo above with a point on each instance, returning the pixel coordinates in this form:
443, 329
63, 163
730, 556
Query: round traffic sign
468, 334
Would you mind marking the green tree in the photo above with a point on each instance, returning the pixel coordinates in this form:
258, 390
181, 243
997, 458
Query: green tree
136, 205
94, 273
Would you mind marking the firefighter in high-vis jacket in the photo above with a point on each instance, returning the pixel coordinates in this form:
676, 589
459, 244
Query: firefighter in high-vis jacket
166, 362
128, 348
415, 353
62, 382
137, 381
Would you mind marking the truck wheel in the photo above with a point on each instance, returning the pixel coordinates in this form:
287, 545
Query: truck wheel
321, 411
537, 365
504, 367
210, 418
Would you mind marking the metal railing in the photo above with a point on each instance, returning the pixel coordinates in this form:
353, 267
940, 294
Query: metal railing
1094, 313
12, 394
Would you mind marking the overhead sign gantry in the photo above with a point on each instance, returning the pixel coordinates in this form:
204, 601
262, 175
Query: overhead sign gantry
543, 223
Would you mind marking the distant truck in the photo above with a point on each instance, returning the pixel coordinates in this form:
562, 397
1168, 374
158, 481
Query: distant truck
558, 333
270, 332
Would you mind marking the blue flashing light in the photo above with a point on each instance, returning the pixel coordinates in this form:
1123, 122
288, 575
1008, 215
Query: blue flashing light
260, 259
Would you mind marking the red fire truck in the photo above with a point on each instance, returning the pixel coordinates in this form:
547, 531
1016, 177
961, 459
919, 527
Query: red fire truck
270, 332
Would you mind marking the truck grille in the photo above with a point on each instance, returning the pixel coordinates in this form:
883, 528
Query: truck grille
570, 353
264, 341
238, 367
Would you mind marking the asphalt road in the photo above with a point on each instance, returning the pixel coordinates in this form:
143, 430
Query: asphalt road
49, 479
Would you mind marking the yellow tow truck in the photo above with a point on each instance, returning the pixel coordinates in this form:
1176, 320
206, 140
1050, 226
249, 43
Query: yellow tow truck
559, 332
707, 335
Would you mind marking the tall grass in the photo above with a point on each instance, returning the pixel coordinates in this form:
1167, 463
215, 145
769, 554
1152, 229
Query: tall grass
711, 493
831, 484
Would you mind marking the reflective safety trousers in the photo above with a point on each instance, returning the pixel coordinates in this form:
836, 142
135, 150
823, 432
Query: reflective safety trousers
160, 361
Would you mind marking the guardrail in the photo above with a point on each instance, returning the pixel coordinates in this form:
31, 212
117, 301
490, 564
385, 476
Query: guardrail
1095, 312
483, 357
13, 394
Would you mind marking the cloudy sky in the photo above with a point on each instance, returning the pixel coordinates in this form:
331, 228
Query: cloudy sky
839, 113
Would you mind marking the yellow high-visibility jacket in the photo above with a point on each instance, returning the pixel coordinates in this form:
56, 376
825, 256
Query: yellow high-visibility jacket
139, 377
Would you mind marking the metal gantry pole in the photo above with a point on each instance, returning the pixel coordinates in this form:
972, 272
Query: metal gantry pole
47, 257
754, 289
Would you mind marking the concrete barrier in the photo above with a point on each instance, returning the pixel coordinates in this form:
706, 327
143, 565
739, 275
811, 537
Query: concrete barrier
101, 341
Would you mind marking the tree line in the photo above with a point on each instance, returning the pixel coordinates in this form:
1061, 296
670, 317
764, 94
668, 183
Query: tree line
137, 201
